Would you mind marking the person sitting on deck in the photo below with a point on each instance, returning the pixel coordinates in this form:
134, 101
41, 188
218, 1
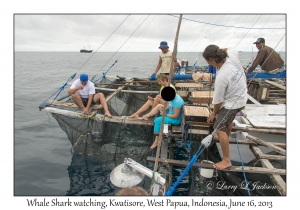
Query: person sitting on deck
83, 94
152, 102
230, 95
269, 60
173, 114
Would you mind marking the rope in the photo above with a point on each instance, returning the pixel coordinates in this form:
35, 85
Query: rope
58, 92
227, 26
72, 77
122, 45
237, 144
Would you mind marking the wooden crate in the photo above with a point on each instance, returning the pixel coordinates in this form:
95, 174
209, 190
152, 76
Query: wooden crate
195, 113
183, 94
202, 97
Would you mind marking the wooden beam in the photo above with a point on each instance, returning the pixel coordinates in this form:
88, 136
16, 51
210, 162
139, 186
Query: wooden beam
275, 178
188, 85
248, 142
99, 117
275, 84
260, 130
261, 155
258, 170
267, 144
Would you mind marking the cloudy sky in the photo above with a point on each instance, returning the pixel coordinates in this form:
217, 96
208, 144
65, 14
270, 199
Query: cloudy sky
142, 33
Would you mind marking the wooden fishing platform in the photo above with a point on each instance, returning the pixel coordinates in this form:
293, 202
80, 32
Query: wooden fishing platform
258, 119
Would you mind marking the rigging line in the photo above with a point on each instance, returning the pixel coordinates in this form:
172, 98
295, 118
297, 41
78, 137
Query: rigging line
218, 33
121, 46
225, 25
246, 33
230, 29
256, 36
196, 38
137, 37
103, 43
195, 47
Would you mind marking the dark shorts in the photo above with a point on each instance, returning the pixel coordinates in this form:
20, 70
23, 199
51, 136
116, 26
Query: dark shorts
225, 118
85, 101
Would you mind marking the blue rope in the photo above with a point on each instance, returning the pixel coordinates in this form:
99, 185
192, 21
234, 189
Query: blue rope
237, 144
59, 91
226, 25
103, 74
191, 163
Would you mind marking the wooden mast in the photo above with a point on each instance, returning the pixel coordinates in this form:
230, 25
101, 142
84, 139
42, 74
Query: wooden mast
165, 105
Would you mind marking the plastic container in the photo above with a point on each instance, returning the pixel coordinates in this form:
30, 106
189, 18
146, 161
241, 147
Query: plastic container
205, 172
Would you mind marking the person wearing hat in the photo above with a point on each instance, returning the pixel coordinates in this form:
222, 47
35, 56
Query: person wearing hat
269, 60
165, 60
153, 102
83, 94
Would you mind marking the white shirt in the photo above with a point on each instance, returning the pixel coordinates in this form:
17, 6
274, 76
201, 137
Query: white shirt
89, 88
231, 84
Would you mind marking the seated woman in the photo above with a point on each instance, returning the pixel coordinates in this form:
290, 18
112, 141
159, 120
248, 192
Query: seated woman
153, 102
173, 115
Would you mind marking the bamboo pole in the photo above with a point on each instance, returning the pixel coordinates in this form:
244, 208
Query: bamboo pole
165, 105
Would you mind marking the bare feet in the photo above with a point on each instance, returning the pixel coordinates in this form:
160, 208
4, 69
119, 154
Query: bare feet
143, 118
216, 138
133, 116
153, 145
107, 114
222, 165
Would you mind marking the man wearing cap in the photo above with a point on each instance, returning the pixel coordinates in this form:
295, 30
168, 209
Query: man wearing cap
165, 60
269, 60
153, 102
83, 94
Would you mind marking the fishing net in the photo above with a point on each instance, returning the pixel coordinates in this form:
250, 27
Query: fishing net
99, 146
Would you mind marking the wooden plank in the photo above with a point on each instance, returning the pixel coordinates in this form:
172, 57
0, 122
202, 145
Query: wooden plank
164, 148
188, 85
99, 117
267, 144
171, 152
176, 129
260, 130
275, 178
199, 132
174, 135
275, 84
249, 169
261, 155
195, 113
68, 104
247, 142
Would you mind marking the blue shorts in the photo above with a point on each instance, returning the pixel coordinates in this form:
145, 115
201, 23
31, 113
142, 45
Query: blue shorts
168, 120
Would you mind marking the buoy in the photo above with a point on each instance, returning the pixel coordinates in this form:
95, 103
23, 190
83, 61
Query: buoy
205, 172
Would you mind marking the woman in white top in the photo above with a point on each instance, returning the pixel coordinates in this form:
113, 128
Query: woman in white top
230, 94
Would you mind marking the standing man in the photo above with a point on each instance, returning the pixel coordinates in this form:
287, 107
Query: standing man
230, 95
269, 60
165, 60
83, 95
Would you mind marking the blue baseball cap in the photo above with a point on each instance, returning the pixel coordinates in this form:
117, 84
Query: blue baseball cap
84, 77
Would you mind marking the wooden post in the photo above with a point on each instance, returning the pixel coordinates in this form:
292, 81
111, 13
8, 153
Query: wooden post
165, 105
